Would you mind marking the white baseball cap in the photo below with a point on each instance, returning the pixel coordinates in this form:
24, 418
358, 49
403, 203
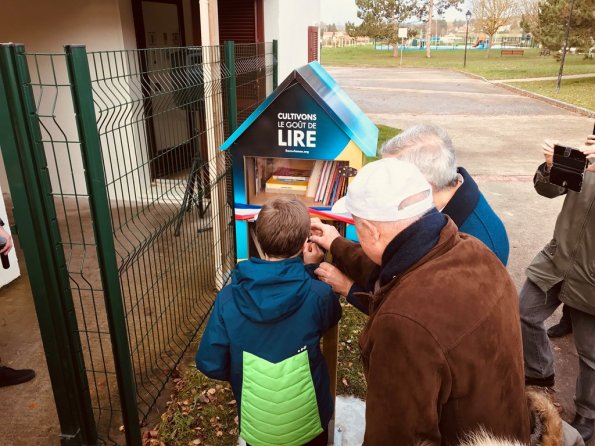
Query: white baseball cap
379, 189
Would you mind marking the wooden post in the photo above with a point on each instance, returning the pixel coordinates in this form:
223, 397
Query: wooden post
330, 345
209, 31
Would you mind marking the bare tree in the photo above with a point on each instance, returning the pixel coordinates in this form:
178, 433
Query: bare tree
424, 9
490, 15
529, 10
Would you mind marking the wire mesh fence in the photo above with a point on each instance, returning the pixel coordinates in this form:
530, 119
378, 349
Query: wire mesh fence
254, 75
160, 115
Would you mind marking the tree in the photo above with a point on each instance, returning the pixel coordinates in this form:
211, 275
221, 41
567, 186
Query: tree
530, 18
380, 18
395, 13
371, 14
490, 15
550, 24
425, 8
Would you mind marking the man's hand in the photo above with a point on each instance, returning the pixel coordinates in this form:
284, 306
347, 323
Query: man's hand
330, 274
8, 246
312, 253
322, 234
548, 152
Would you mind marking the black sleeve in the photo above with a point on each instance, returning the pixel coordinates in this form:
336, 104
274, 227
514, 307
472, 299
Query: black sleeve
356, 298
542, 184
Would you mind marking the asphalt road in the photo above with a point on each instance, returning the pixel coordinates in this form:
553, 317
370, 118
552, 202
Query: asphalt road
497, 135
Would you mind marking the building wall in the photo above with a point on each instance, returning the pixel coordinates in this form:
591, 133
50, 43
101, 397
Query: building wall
46, 26
288, 21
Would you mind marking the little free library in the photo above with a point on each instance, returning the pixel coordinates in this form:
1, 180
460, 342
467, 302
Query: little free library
307, 139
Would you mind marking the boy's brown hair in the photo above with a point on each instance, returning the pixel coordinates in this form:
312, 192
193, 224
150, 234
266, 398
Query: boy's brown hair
282, 227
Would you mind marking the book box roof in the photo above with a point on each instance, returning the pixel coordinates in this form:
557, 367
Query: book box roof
319, 84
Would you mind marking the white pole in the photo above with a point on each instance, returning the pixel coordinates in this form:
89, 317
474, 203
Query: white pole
209, 33
401, 63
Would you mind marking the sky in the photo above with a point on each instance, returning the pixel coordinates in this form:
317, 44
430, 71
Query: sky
341, 11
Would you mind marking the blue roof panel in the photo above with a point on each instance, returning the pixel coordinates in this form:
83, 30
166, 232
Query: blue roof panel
332, 98
351, 118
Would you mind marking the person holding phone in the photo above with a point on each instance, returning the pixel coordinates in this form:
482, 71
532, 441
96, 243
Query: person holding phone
10, 376
564, 272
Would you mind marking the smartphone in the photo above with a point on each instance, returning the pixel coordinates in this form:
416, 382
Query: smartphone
568, 168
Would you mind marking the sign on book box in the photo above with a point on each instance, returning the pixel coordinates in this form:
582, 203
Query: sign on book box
307, 139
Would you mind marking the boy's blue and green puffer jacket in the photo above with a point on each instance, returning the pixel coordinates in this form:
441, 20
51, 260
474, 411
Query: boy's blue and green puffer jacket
264, 337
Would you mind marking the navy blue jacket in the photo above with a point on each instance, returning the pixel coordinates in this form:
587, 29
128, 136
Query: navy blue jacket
272, 310
473, 215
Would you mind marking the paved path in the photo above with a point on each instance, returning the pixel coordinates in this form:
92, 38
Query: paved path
497, 135
548, 78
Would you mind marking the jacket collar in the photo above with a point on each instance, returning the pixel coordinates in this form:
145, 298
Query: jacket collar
411, 245
464, 200
447, 239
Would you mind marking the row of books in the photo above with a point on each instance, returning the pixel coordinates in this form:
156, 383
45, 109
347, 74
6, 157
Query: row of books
288, 180
324, 183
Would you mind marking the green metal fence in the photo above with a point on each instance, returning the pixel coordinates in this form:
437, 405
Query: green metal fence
122, 202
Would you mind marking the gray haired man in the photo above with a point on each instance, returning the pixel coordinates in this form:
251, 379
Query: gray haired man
455, 193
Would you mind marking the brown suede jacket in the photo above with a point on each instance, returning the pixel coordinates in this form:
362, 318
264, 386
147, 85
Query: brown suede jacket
442, 349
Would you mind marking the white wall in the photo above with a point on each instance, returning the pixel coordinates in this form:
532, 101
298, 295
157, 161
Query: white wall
288, 21
46, 26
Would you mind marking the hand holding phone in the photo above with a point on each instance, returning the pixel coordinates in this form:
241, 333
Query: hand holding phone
569, 165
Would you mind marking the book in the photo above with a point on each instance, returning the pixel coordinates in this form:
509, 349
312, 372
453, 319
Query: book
314, 178
322, 182
290, 174
334, 171
274, 185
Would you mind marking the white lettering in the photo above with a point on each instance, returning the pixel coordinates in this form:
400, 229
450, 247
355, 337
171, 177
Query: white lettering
280, 138
310, 138
297, 116
298, 138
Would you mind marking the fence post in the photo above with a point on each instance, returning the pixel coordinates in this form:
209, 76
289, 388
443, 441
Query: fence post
275, 64
39, 235
82, 97
232, 100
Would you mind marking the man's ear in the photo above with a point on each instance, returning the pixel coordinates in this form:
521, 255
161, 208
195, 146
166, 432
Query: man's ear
371, 230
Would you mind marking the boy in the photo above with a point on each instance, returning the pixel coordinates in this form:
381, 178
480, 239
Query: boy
264, 335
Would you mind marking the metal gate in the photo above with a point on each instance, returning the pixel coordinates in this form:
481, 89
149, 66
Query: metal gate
126, 243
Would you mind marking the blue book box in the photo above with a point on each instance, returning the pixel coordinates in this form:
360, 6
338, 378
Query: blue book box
308, 118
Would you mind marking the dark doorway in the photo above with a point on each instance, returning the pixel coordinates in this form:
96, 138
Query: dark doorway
170, 128
242, 21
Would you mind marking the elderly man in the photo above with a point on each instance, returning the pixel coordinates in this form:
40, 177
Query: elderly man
455, 193
564, 271
442, 347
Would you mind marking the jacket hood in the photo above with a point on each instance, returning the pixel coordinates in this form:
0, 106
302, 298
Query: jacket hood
483, 438
546, 426
268, 291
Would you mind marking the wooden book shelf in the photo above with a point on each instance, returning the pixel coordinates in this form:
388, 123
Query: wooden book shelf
259, 170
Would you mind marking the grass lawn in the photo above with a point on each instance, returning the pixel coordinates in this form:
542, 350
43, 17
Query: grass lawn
385, 133
494, 67
580, 92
